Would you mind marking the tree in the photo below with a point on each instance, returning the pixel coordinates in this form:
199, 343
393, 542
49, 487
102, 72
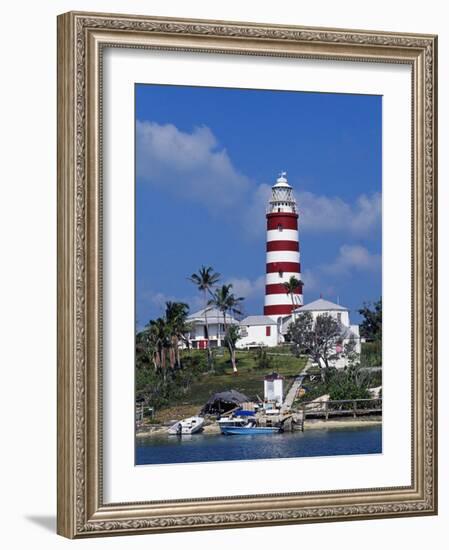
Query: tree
224, 300
316, 339
176, 316
157, 344
371, 326
349, 351
145, 349
205, 280
160, 337
291, 286
231, 337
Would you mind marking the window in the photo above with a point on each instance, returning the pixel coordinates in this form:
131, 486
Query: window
339, 317
267, 331
280, 227
281, 274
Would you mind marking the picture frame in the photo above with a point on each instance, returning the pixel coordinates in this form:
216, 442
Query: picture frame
82, 40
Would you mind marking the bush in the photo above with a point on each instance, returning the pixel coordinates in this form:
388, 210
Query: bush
159, 389
349, 383
375, 379
195, 362
371, 354
313, 391
262, 360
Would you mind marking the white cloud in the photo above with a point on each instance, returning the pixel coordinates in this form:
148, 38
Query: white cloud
310, 280
190, 165
156, 299
316, 282
254, 217
320, 213
151, 301
247, 288
326, 279
353, 257
151, 304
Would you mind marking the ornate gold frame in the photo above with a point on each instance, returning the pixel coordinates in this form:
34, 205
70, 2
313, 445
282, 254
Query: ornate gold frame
81, 37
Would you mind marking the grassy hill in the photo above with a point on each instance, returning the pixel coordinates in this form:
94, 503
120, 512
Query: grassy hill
249, 379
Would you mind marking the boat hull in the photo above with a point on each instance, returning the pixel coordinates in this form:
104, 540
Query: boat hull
257, 430
188, 426
189, 430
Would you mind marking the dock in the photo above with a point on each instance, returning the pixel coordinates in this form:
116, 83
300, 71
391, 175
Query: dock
341, 408
295, 419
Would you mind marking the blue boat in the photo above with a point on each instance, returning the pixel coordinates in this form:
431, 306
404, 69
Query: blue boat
249, 428
242, 413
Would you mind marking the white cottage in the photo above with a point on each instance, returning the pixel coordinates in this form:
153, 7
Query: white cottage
216, 324
340, 314
258, 331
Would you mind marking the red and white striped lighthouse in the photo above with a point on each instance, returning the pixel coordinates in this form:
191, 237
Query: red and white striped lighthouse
282, 250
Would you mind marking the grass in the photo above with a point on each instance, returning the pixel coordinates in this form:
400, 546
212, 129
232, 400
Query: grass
371, 355
249, 380
282, 350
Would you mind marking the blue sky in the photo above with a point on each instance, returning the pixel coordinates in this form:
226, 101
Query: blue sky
205, 161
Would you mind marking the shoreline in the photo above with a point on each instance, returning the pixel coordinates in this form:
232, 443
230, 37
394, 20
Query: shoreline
343, 423
214, 429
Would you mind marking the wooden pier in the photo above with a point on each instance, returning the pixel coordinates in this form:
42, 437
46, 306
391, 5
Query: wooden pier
295, 419
342, 408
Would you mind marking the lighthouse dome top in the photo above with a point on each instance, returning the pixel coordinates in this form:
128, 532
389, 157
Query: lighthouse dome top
282, 180
282, 198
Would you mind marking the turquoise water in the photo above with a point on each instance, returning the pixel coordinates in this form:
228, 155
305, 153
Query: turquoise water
211, 448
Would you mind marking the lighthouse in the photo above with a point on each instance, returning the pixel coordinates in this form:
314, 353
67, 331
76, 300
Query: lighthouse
282, 261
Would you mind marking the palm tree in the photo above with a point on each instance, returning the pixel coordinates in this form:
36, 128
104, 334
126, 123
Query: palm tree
291, 286
176, 315
224, 300
160, 335
232, 335
205, 280
146, 346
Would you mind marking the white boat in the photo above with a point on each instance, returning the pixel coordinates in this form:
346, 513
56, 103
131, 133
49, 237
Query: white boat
188, 426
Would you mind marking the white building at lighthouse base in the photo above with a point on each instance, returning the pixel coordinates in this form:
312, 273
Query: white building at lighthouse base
258, 331
266, 331
348, 332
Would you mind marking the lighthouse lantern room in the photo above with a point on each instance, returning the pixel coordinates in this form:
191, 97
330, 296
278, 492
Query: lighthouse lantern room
283, 261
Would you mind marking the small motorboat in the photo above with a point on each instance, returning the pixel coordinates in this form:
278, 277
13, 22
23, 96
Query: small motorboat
231, 422
237, 419
250, 427
188, 426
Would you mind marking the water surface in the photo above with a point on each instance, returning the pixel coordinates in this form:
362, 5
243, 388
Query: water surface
213, 447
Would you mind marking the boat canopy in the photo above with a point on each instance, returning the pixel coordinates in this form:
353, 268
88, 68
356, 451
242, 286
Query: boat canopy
244, 413
223, 402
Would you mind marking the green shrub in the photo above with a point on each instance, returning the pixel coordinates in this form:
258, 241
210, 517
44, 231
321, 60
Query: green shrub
262, 360
350, 383
371, 354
